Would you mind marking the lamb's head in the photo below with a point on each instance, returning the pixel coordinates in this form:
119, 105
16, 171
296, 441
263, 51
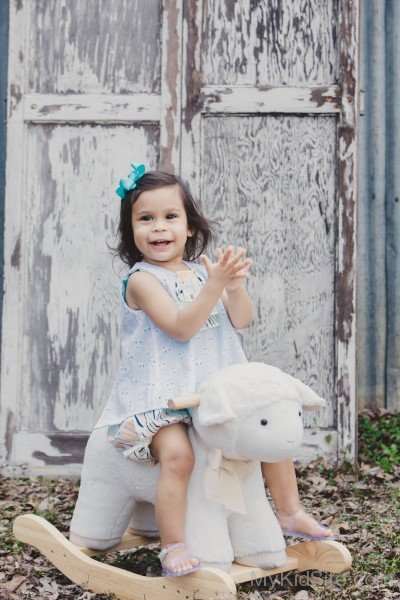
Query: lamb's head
254, 411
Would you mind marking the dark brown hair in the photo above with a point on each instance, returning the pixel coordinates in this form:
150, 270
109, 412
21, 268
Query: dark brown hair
203, 228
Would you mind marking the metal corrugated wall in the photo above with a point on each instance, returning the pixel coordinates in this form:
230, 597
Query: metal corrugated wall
378, 286
3, 131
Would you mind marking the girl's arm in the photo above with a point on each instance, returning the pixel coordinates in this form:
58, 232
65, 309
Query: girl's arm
238, 306
144, 290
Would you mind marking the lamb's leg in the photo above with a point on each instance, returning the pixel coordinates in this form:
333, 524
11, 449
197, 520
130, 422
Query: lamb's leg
104, 506
206, 529
256, 537
143, 521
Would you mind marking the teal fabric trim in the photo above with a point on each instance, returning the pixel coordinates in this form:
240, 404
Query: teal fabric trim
182, 411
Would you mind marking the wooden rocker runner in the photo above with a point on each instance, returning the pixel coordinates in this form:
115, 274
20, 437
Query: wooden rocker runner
76, 564
218, 525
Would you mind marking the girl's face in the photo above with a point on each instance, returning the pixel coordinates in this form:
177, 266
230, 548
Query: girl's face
160, 215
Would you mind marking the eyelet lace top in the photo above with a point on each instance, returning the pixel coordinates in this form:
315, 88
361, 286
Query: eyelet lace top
154, 366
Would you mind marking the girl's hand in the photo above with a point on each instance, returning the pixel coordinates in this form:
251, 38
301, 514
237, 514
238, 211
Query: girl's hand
230, 268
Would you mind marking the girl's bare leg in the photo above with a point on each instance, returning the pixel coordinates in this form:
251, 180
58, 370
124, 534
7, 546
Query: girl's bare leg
282, 483
171, 446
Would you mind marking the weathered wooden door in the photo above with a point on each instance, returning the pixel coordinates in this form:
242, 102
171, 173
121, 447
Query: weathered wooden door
91, 88
255, 103
269, 131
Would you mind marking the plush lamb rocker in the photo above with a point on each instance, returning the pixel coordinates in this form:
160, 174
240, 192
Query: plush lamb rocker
248, 413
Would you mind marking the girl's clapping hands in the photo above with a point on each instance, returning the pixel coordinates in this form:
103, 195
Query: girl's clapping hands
229, 269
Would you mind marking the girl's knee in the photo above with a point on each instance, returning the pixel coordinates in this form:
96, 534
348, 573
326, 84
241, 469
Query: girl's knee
179, 463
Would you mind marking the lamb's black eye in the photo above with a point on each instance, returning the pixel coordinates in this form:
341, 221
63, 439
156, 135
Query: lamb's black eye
264, 422
299, 414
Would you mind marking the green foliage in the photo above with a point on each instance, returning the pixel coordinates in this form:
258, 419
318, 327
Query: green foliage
49, 508
7, 541
379, 439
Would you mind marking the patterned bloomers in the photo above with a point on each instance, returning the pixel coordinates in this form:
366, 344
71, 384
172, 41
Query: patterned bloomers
134, 435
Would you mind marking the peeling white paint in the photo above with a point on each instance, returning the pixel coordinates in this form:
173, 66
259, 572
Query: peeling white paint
86, 163
291, 51
269, 43
92, 108
61, 340
267, 198
277, 99
79, 47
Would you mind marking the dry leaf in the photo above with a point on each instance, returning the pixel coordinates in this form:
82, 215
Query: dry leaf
302, 595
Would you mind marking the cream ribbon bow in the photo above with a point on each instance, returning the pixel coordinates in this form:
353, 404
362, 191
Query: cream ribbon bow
223, 478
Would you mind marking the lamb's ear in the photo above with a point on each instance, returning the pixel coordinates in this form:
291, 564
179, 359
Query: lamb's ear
215, 406
309, 399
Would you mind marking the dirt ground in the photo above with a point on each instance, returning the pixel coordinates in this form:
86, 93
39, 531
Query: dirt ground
363, 507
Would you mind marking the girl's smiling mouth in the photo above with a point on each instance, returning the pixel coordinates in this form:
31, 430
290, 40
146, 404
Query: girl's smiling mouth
161, 243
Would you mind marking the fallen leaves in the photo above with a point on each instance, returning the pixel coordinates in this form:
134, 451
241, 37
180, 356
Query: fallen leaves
362, 506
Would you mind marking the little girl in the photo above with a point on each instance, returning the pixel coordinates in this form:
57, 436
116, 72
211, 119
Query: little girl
177, 329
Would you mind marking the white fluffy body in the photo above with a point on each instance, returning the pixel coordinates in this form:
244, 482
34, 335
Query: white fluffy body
252, 413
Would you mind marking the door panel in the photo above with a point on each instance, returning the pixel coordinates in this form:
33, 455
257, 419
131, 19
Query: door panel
271, 185
71, 324
84, 46
269, 42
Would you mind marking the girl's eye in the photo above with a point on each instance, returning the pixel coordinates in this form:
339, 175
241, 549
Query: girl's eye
264, 422
146, 217
299, 414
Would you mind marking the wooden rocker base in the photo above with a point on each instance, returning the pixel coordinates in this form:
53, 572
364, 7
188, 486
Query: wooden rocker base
76, 563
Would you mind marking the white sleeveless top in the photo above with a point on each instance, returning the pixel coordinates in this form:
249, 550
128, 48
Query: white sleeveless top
156, 367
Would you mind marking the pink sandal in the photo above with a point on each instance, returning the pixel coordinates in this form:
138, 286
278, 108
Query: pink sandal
287, 524
168, 571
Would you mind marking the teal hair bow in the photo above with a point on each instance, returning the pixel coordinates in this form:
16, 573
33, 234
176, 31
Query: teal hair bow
129, 183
